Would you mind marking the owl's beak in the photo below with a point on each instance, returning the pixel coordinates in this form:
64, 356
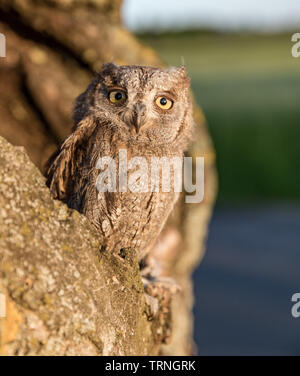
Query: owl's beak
139, 116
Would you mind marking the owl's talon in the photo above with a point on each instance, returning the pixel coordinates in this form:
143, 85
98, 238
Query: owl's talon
158, 294
152, 304
161, 284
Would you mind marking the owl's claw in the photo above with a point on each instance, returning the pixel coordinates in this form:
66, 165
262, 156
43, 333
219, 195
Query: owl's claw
158, 294
161, 285
152, 304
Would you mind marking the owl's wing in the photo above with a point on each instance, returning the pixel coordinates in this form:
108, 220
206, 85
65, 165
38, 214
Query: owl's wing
66, 161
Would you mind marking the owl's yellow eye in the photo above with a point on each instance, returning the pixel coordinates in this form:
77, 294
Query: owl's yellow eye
117, 96
164, 103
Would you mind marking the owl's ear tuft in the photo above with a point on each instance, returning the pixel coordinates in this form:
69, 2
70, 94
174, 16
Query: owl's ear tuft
108, 68
180, 73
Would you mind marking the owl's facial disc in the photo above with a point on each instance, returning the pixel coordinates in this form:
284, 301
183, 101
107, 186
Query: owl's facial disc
145, 104
133, 110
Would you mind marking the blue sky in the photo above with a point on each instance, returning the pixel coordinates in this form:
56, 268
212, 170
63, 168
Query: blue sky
216, 14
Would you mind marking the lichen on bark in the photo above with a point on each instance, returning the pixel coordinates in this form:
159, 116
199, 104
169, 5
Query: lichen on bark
65, 295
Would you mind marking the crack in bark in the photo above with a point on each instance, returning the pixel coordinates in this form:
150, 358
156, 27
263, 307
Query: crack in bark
36, 108
17, 24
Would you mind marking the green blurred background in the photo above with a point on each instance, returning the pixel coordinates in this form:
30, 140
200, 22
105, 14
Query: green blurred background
238, 54
249, 88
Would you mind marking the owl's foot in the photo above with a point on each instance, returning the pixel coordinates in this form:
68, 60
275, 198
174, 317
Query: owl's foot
160, 285
152, 304
157, 287
158, 293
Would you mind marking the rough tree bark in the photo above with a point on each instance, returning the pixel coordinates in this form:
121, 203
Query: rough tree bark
65, 295
53, 48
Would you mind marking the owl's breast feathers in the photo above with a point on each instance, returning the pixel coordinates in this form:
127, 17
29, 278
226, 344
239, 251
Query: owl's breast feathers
126, 219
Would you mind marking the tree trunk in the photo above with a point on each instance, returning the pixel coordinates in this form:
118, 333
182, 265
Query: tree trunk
64, 295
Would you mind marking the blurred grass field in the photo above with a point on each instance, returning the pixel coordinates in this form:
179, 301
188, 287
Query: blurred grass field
249, 88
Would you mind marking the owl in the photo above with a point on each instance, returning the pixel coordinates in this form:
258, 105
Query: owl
143, 110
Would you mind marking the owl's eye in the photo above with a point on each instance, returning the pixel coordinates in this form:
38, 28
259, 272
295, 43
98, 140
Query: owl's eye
117, 96
164, 103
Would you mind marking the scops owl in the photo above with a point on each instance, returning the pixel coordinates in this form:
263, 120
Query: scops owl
147, 112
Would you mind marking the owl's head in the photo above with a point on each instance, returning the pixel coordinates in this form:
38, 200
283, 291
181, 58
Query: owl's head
144, 104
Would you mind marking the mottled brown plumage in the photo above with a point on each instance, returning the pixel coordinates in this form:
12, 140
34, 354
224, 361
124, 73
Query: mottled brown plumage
138, 125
